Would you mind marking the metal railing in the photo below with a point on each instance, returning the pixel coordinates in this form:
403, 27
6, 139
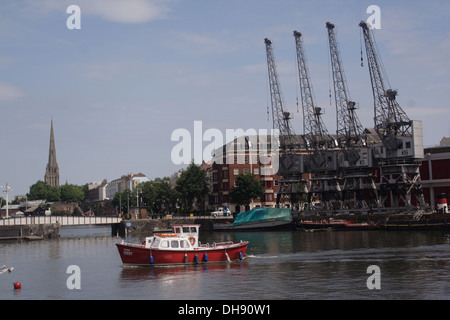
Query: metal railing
62, 220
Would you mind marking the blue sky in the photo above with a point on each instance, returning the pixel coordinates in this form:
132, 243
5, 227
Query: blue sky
139, 69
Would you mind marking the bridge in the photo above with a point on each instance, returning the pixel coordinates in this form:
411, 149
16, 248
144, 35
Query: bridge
61, 220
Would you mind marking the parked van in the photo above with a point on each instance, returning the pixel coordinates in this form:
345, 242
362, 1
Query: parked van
220, 213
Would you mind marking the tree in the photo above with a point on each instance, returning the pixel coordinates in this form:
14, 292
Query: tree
38, 191
123, 199
246, 189
72, 193
192, 185
53, 194
158, 195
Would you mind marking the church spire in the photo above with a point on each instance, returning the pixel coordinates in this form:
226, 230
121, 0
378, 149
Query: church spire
52, 170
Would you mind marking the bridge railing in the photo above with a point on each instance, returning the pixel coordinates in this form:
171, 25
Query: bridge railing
62, 220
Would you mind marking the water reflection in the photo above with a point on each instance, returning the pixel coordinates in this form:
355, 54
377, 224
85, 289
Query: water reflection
183, 282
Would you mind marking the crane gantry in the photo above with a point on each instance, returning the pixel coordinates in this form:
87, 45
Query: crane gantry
355, 158
290, 161
342, 169
398, 155
321, 162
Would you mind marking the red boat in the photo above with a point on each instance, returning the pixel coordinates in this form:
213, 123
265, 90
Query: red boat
337, 224
180, 247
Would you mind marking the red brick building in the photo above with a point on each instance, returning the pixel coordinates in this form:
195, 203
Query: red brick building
241, 156
435, 173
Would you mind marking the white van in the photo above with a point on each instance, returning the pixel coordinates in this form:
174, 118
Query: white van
219, 212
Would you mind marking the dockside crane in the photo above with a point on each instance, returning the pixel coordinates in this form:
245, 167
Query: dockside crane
314, 129
399, 154
321, 146
355, 158
290, 161
349, 131
280, 117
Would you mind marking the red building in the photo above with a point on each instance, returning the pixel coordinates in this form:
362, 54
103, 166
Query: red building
435, 173
240, 156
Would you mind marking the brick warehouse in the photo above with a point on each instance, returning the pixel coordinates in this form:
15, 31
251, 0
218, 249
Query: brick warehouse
435, 172
240, 156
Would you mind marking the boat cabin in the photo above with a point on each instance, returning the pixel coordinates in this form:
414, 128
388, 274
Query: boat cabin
184, 236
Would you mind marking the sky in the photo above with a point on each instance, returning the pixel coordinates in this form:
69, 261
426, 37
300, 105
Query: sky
137, 70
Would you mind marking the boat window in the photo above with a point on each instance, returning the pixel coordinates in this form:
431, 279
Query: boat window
156, 243
184, 244
177, 230
193, 230
174, 243
186, 229
165, 244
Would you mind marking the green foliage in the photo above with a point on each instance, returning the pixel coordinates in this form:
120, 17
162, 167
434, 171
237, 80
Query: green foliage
66, 193
192, 185
71, 193
246, 189
38, 191
158, 196
53, 194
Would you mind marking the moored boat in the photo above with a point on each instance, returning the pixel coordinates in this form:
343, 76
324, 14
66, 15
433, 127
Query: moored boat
421, 221
322, 224
260, 219
180, 247
336, 224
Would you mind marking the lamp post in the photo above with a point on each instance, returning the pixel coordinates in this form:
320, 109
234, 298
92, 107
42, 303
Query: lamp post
7, 189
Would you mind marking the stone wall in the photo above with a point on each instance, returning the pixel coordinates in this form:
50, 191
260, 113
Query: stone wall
52, 230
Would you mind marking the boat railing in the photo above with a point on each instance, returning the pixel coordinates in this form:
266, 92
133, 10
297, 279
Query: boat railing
133, 244
215, 244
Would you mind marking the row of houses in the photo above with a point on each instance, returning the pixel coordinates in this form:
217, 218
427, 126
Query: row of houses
104, 190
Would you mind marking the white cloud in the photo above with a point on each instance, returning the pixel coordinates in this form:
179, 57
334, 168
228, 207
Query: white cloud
9, 92
129, 11
124, 11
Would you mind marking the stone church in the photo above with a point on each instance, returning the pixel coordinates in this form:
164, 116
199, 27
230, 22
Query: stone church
52, 170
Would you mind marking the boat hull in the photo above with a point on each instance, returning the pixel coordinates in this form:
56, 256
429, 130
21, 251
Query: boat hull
256, 226
337, 226
433, 221
142, 256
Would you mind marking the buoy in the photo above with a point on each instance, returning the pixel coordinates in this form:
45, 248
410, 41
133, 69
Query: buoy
228, 258
185, 258
240, 256
205, 257
196, 258
151, 259
17, 285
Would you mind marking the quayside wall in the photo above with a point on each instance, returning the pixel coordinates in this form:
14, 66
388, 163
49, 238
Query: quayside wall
148, 226
50, 230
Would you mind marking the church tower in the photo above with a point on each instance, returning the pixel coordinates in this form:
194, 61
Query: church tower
52, 170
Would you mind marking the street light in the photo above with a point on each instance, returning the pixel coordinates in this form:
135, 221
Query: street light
7, 189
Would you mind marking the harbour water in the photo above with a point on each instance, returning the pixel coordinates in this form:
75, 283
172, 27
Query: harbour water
282, 265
